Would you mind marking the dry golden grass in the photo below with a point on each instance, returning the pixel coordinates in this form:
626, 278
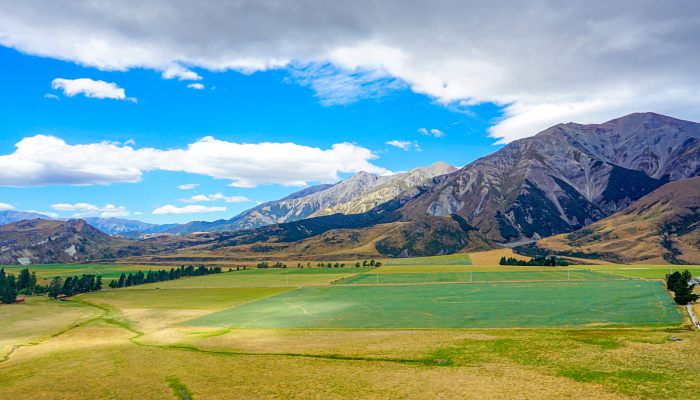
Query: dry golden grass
37, 319
492, 257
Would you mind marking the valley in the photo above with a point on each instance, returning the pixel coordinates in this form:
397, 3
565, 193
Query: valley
460, 326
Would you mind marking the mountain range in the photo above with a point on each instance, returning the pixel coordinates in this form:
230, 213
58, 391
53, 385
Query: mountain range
570, 177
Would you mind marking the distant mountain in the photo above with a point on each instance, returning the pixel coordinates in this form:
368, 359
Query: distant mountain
126, 227
357, 194
7, 217
565, 177
663, 226
338, 236
38, 241
404, 185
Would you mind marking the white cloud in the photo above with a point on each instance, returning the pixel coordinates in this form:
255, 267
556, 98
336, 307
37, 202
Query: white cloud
47, 160
405, 145
90, 88
81, 210
543, 62
49, 214
51, 96
181, 73
188, 186
192, 209
196, 86
431, 132
198, 198
5, 207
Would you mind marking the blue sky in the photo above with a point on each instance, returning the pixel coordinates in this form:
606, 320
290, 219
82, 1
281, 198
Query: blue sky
107, 107
267, 106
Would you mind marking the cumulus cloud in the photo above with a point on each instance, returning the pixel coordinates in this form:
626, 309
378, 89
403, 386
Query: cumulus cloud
82, 210
47, 160
196, 86
198, 198
5, 207
90, 88
188, 186
542, 62
191, 209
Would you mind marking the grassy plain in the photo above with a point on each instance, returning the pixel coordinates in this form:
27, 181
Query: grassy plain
140, 343
415, 277
261, 278
457, 306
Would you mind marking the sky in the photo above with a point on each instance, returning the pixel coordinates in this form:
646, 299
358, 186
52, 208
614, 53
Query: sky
172, 111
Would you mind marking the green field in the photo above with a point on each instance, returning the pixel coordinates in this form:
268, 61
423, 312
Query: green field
451, 259
457, 306
600, 336
261, 278
474, 276
107, 271
645, 271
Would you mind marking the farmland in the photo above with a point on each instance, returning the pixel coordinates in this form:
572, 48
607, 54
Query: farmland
457, 306
593, 331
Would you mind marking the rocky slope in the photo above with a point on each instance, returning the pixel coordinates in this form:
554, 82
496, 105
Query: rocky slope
565, 177
404, 186
357, 194
663, 226
39, 241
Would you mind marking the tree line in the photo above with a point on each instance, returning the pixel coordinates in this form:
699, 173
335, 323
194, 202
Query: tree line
24, 283
73, 285
364, 263
679, 284
151, 276
539, 261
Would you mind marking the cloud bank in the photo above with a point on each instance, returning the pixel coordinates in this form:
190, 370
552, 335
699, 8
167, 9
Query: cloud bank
544, 62
48, 160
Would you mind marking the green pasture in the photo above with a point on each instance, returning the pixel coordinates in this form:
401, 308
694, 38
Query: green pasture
183, 299
451, 259
107, 271
560, 304
475, 276
645, 271
261, 278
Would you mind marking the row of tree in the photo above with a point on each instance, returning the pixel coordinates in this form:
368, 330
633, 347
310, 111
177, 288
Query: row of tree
680, 284
73, 285
24, 283
150, 276
540, 261
265, 265
365, 263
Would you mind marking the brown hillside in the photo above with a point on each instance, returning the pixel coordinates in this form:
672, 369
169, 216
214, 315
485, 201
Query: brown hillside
663, 226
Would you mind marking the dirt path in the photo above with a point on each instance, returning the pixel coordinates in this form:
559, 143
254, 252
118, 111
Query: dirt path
692, 316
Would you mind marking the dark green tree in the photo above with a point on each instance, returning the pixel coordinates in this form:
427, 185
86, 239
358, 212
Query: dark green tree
55, 287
